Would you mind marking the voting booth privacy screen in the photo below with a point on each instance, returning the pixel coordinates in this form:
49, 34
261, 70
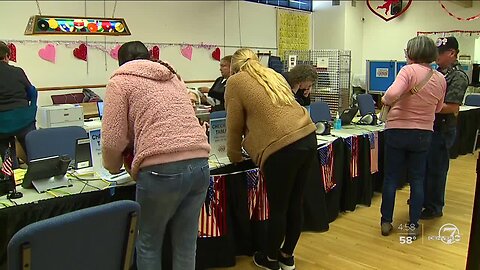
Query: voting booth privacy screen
382, 73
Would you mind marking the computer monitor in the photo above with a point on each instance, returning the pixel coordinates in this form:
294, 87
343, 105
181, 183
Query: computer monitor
100, 109
47, 173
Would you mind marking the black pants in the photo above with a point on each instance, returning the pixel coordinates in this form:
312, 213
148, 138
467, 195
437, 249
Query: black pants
286, 172
6, 139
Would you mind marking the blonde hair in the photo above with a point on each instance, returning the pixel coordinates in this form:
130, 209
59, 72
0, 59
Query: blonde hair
275, 85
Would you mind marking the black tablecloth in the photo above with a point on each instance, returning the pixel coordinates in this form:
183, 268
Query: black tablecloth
467, 124
244, 236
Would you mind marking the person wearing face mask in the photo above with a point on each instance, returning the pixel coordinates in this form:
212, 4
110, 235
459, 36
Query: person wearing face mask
301, 79
217, 91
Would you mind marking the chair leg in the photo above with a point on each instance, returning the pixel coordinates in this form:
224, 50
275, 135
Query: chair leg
131, 237
26, 257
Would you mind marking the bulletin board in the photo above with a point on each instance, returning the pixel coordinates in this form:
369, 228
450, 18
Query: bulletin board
293, 31
380, 75
399, 66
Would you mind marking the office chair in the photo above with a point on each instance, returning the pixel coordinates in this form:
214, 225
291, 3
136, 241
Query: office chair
100, 237
474, 100
218, 114
53, 142
366, 104
319, 111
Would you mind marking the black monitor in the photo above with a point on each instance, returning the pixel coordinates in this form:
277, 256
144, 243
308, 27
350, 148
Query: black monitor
46, 168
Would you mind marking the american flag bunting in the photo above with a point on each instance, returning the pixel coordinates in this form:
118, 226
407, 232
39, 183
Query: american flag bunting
353, 147
326, 165
213, 218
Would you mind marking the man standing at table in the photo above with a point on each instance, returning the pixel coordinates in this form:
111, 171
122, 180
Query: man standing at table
444, 129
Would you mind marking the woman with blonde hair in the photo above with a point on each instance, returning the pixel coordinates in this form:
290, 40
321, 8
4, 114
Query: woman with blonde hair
279, 136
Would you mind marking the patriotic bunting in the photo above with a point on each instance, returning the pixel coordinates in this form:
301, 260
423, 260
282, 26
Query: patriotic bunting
326, 166
353, 148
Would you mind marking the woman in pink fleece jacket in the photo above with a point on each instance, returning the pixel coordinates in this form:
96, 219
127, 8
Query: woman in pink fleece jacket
409, 129
148, 112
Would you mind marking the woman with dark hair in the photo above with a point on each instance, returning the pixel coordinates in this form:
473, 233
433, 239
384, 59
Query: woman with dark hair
301, 79
148, 113
18, 105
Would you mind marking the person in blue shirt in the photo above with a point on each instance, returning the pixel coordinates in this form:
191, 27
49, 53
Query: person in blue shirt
18, 104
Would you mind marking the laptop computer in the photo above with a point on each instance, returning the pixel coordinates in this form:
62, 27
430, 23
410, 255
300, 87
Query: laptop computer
100, 109
348, 115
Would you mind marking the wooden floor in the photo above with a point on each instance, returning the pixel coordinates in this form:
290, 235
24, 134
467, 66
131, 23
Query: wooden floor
354, 240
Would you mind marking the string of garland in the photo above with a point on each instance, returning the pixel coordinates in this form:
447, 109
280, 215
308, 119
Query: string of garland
455, 16
444, 33
100, 45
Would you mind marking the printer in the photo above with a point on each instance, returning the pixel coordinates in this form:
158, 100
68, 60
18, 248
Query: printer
63, 115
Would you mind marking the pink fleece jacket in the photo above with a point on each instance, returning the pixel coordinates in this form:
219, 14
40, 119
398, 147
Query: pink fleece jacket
415, 111
147, 108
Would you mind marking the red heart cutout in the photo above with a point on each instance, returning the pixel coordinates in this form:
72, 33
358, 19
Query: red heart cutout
387, 7
81, 52
216, 54
13, 52
155, 53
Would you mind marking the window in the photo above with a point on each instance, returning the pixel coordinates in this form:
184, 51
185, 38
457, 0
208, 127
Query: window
295, 4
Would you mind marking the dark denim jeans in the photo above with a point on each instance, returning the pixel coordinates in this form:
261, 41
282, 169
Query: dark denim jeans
172, 192
438, 163
5, 139
405, 148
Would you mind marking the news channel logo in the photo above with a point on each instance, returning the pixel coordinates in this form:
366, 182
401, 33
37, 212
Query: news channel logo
448, 234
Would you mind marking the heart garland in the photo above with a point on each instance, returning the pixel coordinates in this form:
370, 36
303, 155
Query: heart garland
48, 53
13, 52
81, 52
187, 52
216, 54
456, 17
114, 52
155, 53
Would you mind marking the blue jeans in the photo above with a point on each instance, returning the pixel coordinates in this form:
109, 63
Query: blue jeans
405, 148
170, 193
438, 162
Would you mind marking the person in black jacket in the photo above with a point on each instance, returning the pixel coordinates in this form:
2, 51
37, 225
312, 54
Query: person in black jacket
301, 79
14, 87
217, 91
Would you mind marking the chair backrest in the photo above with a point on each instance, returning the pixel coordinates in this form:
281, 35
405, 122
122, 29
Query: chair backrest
218, 114
319, 111
49, 142
100, 237
73, 98
366, 104
472, 100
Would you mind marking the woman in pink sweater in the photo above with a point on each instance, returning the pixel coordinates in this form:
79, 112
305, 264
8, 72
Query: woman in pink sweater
409, 129
148, 112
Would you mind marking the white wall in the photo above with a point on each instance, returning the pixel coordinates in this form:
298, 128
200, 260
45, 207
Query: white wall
329, 26
477, 51
386, 40
149, 21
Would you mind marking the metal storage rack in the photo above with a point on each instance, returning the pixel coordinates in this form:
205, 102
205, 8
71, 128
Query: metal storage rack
334, 73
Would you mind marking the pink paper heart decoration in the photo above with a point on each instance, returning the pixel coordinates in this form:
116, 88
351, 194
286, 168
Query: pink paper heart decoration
155, 53
187, 52
81, 52
216, 54
13, 52
49, 53
114, 52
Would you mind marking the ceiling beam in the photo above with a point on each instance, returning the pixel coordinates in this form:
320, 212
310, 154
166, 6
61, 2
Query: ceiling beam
463, 3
